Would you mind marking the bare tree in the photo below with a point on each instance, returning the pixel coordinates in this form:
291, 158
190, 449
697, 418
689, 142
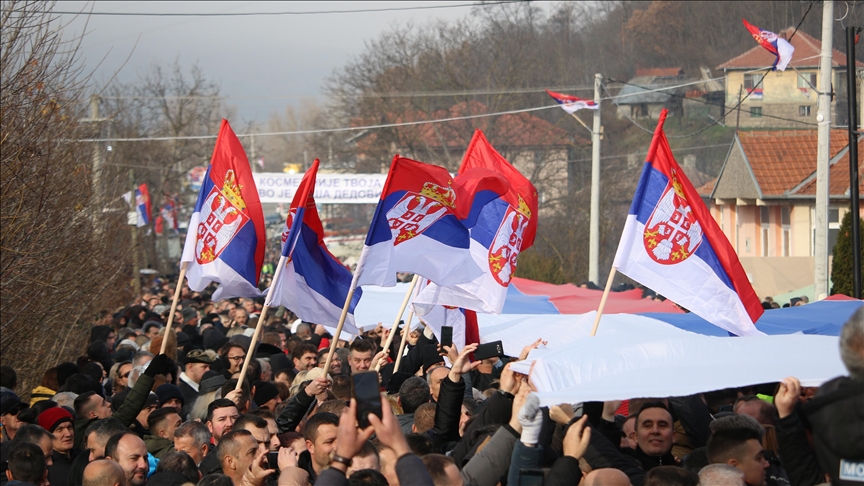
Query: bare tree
62, 262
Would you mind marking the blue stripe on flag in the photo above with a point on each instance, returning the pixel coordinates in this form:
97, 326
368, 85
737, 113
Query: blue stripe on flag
236, 254
324, 275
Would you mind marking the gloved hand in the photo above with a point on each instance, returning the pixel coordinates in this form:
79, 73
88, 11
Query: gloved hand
531, 419
159, 365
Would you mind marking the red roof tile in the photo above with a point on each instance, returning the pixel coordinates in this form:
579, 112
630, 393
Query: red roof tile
781, 160
660, 72
707, 188
807, 50
838, 180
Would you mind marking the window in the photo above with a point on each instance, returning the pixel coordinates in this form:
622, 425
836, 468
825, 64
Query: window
752, 80
764, 218
785, 220
806, 80
755, 112
803, 111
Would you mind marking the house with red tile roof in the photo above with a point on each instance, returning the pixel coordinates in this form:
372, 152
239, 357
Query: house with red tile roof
787, 98
765, 196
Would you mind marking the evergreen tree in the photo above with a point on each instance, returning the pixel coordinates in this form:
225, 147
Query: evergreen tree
841, 268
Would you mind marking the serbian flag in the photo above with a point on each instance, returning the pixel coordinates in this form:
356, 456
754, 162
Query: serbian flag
142, 205
314, 283
779, 47
572, 104
463, 321
672, 244
415, 229
502, 220
226, 236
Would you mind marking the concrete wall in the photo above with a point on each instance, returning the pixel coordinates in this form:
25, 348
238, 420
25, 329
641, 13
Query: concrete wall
781, 98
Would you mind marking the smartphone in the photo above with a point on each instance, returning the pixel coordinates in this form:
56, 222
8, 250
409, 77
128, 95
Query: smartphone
446, 336
273, 460
530, 477
367, 395
489, 350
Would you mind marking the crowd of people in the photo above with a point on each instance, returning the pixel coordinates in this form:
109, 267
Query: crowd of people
125, 414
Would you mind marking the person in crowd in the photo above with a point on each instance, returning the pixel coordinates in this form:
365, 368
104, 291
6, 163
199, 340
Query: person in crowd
130, 452
162, 423
193, 438
26, 465
721, 475
104, 472
196, 364
10, 407
360, 355
740, 448
305, 357
58, 421
234, 354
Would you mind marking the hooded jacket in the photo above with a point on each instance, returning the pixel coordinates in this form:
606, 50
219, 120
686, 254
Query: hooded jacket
836, 414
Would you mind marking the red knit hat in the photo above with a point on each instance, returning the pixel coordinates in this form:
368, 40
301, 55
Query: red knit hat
51, 418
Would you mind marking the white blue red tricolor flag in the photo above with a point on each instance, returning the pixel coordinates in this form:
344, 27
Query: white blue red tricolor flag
142, 204
500, 211
314, 283
226, 236
776, 45
415, 229
672, 245
572, 104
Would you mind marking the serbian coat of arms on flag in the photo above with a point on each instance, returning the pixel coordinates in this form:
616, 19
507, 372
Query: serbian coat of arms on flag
673, 233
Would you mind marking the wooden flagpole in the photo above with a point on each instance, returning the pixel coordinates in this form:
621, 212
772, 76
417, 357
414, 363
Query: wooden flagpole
173, 308
251, 351
405, 332
581, 122
405, 301
603, 300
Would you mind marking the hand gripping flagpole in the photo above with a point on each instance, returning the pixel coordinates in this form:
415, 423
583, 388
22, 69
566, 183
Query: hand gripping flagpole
405, 301
360, 263
173, 308
261, 320
405, 332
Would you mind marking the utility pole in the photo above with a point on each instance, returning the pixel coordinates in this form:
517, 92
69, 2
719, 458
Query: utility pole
823, 154
254, 162
851, 89
594, 231
738, 115
136, 270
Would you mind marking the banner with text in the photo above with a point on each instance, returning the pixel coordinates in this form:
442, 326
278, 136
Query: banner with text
278, 187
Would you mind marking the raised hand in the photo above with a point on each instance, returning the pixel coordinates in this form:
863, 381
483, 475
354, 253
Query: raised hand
577, 438
527, 349
787, 396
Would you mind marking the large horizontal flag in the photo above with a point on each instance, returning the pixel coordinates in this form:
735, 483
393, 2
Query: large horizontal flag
314, 283
502, 220
671, 244
415, 229
225, 241
572, 104
776, 45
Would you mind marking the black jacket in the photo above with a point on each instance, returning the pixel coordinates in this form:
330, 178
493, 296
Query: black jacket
495, 410
447, 412
297, 407
58, 473
836, 415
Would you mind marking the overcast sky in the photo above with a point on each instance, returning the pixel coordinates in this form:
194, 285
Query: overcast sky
262, 62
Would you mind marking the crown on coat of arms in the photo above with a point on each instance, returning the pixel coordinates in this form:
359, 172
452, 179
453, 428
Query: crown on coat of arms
677, 186
231, 190
523, 208
446, 196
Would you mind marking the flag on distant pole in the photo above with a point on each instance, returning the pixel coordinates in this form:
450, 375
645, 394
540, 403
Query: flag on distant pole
502, 220
141, 204
314, 283
671, 244
226, 236
415, 229
572, 104
776, 45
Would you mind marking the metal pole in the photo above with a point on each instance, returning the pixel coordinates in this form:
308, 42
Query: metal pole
823, 153
594, 226
136, 278
852, 90
97, 166
738, 115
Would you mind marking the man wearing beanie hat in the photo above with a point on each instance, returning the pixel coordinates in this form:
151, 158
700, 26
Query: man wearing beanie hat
58, 421
267, 395
196, 363
170, 396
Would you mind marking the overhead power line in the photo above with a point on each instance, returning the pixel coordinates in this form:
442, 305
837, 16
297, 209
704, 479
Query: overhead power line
289, 12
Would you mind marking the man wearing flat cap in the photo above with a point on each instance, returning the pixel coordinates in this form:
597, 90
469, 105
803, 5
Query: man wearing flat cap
197, 363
